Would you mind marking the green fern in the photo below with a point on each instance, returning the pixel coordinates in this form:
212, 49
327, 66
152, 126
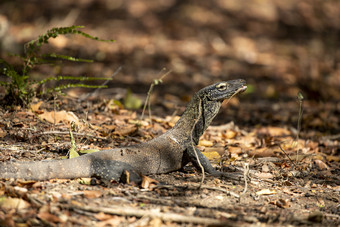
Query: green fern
20, 89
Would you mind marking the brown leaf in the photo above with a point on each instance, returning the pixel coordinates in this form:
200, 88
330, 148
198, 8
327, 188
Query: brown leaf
230, 134
205, 143
266, 192
48, 217
235, 150
101, 216
212, 155
35, 107
263, 152
6, 219
125, 130
13, 203
92, 194
155, 222
114, 221
60, 116
282, 203
147, 182
332, 158
321, 165
2, 133
264, 175
274, 131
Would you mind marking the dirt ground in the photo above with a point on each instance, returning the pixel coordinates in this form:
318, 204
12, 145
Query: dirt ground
278, 47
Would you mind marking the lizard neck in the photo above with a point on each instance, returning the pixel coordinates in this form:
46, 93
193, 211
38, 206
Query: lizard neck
196, 118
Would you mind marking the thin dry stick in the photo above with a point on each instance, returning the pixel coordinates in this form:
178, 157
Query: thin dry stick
55, 110
222, 190
130, 211
147, 100
291, 161
245, 175
192, 142
300, 99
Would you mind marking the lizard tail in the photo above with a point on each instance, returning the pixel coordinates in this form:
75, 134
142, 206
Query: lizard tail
89, 165
44, 170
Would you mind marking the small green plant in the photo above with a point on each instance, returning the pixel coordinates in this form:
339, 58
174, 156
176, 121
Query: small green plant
147, 101
20, 89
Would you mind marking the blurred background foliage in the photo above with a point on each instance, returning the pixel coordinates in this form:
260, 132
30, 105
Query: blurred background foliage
279, 47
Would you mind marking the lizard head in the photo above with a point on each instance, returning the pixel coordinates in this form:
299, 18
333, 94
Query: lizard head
224, 90
205, 105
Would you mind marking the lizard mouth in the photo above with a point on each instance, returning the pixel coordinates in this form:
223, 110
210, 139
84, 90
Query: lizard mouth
243, 88
238, 91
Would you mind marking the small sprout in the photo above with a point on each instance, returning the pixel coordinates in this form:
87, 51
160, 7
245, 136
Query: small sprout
300, 96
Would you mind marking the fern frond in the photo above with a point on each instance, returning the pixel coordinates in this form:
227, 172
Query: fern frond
65, 86
65, 57
58, 78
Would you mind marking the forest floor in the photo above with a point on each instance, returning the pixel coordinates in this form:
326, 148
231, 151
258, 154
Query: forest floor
278, 47
298, 185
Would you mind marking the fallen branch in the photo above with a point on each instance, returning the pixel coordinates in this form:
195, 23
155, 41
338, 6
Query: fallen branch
130, 211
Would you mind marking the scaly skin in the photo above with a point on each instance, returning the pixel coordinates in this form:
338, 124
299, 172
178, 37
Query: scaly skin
166, 153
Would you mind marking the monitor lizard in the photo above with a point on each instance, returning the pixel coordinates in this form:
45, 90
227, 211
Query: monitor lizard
169, 152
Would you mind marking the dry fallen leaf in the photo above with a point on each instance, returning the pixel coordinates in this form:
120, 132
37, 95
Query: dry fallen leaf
332, 158
264, 175
230, 134
264, 152
282, 203
60, 116
266, 192
113, 221
125, 130
48, 217
274, 131
212, 155
147, 182
13, 203
2, 133
101, 216
6, 219
235, 150
321, 165
92, 194
205, 143
35, 107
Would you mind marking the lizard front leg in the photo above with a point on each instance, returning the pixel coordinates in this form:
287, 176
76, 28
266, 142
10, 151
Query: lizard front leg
114, 170
190, 152
203, 160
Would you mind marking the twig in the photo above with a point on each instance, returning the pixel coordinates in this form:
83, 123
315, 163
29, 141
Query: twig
245, 176
192, 142
331, 137
291, 161
147, 100
194, 187
300, 99
130, 211
222, 190
55, 110
103, 84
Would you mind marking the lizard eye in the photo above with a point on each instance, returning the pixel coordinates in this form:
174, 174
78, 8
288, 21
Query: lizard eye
222, 86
